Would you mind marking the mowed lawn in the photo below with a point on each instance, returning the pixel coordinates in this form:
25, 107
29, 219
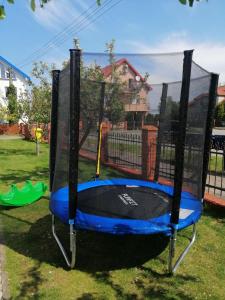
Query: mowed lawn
108, 267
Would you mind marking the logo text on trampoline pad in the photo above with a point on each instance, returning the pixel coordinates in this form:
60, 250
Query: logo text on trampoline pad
127, 200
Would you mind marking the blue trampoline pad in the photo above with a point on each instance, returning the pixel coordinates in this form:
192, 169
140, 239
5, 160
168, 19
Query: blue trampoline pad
125, 206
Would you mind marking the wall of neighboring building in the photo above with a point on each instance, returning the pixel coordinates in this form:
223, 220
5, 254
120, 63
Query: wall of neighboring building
18, 80
125, 77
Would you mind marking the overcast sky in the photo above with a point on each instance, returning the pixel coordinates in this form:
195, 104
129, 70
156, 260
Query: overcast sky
146, 26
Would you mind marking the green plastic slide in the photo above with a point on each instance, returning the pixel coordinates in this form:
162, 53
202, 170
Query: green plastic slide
28, 194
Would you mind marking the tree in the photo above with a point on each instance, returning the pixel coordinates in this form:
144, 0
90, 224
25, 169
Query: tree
32, 5
43, 2
114, 107
3, 113
220, 113
12, 107
189, 2
41, 92
91, 84
35, 104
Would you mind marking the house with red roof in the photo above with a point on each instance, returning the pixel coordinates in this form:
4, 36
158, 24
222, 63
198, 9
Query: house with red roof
221, 94
136, 89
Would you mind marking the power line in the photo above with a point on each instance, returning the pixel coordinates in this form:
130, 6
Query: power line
86, 25
58, 34
84, 20
81, 25
80, 28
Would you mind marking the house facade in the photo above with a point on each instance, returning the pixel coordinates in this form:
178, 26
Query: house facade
10, 73
135, 93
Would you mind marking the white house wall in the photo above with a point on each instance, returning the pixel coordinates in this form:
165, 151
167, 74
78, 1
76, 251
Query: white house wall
20, 83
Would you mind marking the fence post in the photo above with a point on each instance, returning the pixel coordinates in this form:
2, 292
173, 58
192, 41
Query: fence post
149, 136
104, 147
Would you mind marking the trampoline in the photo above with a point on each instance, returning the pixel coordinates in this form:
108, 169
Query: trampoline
126, 206
90, 101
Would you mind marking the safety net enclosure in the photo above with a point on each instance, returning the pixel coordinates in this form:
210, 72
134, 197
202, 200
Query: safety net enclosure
146, 117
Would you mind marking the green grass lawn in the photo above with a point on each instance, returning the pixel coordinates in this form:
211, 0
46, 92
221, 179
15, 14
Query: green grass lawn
108, 267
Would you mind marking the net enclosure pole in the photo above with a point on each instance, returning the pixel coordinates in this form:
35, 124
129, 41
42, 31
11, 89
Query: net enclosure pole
74, 118
160, 129
101, 112
54, 121
209, 125
180, 143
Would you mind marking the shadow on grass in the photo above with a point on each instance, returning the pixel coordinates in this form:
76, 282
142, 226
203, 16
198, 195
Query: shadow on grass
216, 212
148, 284
95, 251
30, 288
97, 254
20, 176
10, 152
86, 173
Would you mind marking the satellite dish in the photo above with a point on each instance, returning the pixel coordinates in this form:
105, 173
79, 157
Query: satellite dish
138, 78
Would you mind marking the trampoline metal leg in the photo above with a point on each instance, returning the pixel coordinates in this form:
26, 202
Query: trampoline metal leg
172, 268
70, 262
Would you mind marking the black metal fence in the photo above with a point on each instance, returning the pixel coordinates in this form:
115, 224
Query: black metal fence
125, 149
216, 173
215, 183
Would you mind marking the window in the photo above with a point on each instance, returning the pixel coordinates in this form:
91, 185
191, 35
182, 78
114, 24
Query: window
2, 72
10, 74
131, 83
134, 101
7, 74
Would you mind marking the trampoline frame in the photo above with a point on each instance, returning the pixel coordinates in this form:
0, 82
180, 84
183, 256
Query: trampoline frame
173, 267
70, 262
75, 55
172, 245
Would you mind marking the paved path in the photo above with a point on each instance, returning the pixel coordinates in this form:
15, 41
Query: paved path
1, 275
4, 291
11, 137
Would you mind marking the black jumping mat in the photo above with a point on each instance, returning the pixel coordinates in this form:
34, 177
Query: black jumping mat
124, 202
